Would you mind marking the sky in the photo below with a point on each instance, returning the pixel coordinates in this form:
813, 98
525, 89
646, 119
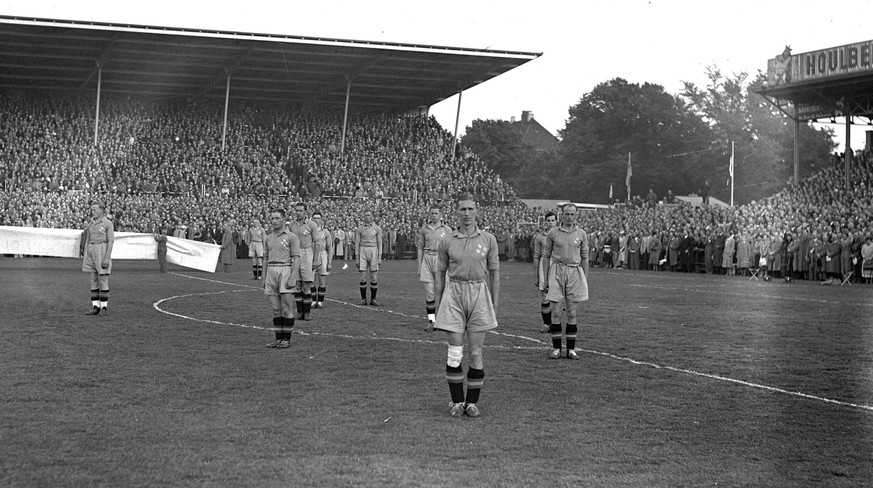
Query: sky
584, 43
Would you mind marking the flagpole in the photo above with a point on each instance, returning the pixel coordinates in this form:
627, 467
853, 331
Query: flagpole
732, 174
629, 173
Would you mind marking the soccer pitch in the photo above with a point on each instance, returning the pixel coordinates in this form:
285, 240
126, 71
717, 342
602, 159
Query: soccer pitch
684, 380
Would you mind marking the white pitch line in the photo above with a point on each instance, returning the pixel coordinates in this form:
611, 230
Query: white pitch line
749, 384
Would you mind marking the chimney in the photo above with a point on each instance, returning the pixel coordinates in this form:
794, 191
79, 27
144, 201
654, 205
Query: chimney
512, 119
526, 116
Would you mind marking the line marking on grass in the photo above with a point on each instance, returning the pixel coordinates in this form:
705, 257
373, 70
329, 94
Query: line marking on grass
541, 345
755, 295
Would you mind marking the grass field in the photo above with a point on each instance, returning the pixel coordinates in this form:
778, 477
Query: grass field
685, 380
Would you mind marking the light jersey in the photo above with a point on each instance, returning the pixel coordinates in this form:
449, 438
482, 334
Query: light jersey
256, 234
429, 237
281, 247
539, 242
468, 258
368, 235
320, 240
304, 232
100, 231
340, 236
566, 246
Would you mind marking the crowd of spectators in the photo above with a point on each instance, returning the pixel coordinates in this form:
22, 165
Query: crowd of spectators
171, 166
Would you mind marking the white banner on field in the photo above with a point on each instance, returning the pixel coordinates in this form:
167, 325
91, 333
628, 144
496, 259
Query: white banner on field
64, 243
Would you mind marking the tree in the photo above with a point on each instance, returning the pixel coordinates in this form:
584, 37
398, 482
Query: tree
763, 136
616, 118
498, 144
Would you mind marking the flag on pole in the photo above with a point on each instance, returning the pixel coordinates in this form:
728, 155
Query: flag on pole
731, 169
630, 173
610, 191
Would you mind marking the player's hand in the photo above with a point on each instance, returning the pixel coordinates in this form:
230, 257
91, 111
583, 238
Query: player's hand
105, 263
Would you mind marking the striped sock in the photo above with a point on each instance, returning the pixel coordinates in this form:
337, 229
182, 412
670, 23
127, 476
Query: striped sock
546, 312
475, 380
455, 377
298, 299
374, 287
95, 298
104, 298
260, 270
322, 291
555, 330
363, 287
430, 305
571, 336
288, 323
307, 302
255, 270
277, 328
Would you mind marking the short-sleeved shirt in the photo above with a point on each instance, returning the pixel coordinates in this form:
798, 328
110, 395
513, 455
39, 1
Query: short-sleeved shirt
304, 231
566, 246
320, 240
100, 231
281, 246
429, 237
256, 234
468, 258
368, 235
539, 241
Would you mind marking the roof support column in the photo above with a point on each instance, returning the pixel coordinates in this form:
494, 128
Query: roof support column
226, 100
97, 112
457, 118
796, 148
848, 158
346, 116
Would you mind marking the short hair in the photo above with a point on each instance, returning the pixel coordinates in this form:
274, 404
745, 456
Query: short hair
300, 204
550, 214
99, 204
564, 206
280, 211
465, 195
436, 206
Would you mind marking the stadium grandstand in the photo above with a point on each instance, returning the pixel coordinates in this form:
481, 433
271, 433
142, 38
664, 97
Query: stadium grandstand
187, 130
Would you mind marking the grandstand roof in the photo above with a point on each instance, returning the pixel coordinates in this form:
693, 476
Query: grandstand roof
192, 64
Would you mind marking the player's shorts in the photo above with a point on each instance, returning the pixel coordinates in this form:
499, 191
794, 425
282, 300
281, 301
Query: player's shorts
428, 270
319, 264
92, 263
303, 270
567, 282
256, 249
277, 277
466, 307
369, 259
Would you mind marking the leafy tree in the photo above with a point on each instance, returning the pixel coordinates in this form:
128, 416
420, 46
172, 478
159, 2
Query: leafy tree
763, 136
663, 136
498, 144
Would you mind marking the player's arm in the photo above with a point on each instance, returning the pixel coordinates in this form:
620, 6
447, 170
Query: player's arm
83, 242
266, 261
583, 255
494, 272
548, 244
378, 243
439, 280
110, 240
358, 242
295, 252
329, 246
537, 255
419, 244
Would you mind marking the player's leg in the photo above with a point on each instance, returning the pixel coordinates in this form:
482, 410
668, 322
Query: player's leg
278, 323
95, 294
555, 329
374, 287
545, 313
475, 373
363, 267
287, 316
307, 299
255, 261
572, 308
322, 290
454, 372
298, 299
103, 281
430, 304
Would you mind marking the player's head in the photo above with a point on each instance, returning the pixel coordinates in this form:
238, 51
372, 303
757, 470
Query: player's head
368, 217
98, 209
434, 214
300, 210
467, 209
551, 219
318, 218
568, 214
277, 217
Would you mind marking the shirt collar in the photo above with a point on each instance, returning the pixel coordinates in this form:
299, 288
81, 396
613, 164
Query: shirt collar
457, 233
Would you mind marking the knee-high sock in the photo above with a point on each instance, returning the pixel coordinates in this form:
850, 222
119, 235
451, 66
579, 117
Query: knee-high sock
555, 330
374, 287
546, 312
288, 327
95, 298
307, 301
455, 377
430, 305
571, 336
104, 298
255, 270
278, 325
322, 291
298, 300
363, 288
475, 379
